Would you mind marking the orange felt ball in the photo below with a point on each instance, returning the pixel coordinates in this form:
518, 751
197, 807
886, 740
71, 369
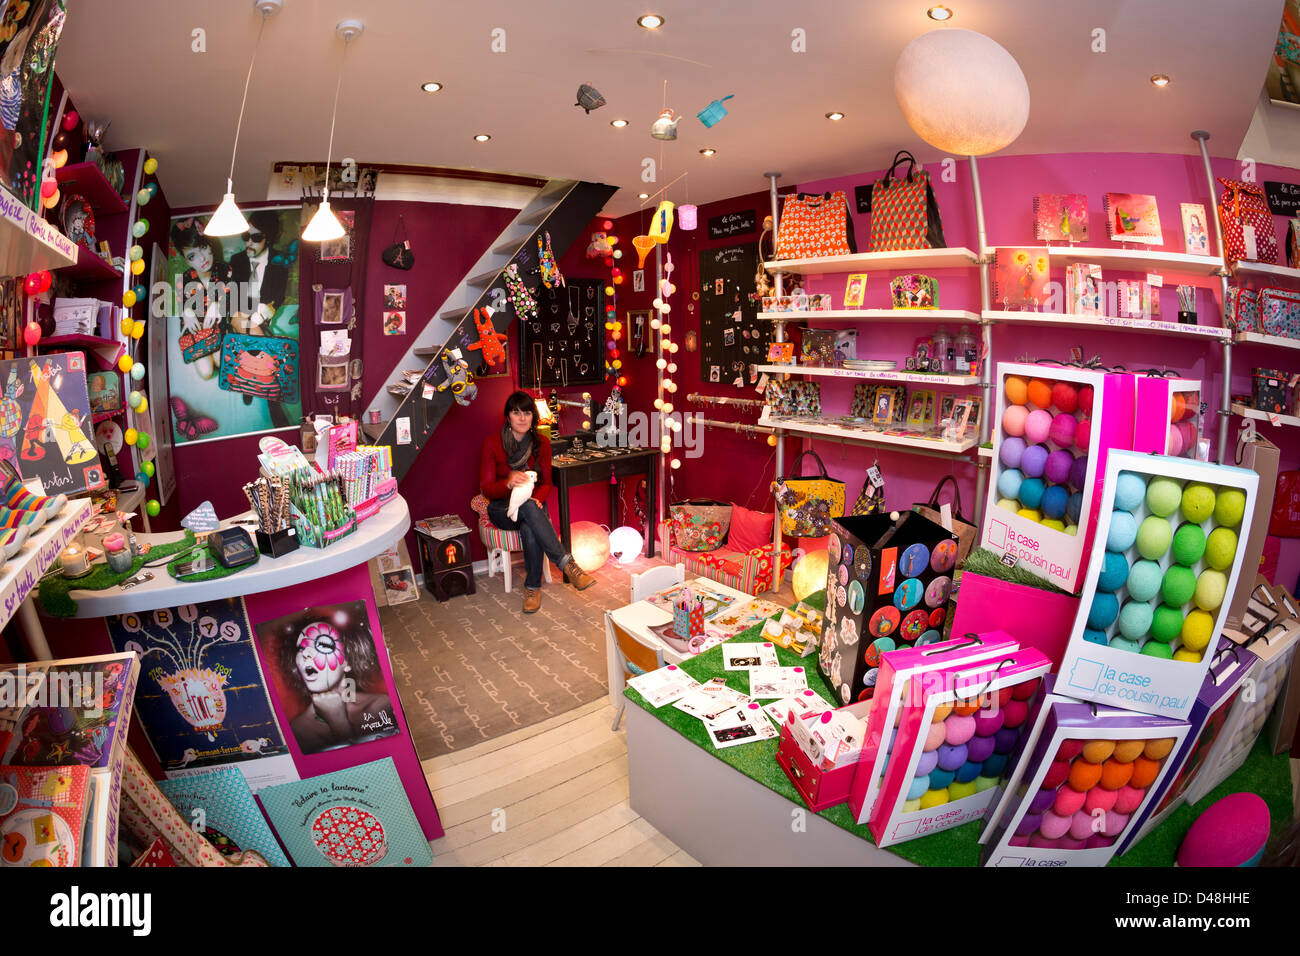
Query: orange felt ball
1040, 393
1115, 774
1145, 771
1084, 775
941, 712
1178, 407
1097, 751
1158, 749
966, 709
1126, 751
1017, 390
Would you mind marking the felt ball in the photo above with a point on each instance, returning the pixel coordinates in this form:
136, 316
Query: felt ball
1065, 396
1097, 751
1063, 429
1197, 630
911, 806
1232, 832
1056, 524
1229, 507
1083, 434
1074, 507
1126, 751
1017, 390
1122, 531
967, 772
1166, 623
980, 747
1043, 800
1158, 649
1104, 610
1038, 841
934, 798
1174, 441
1221, 548
1069, 749
1033, 514
1084, 775
1158, 749
1135, 619
1114, 823
1031, 492
1145, 771
1034, 461
1144, 580
1153, 537
1080, 826
1198, 502
152, 507
918, 786
1038, 425
983, 783
966, 708
1009, 504
1025, 689
1009, 483
1189, 544
1085, 398
1040, 393
1057, 774
1179, 584
961, 789
1211, 588
1004, 741
137, 371
959, 729
1164, 496
1099, 842
1114, 572
951, 756
1014, 714
1130, 489
1115, 774
927, 762
1078, 473
1053, 825
1068, 801
1099, 799
1011, 451
1054, 502
1058, 466
941, 712
940, 779
1126, 644
1013, 420
1094, 636
935, 737
1129, 798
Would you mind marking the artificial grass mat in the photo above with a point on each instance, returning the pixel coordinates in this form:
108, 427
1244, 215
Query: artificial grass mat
1262, 773
54, 588
985, 562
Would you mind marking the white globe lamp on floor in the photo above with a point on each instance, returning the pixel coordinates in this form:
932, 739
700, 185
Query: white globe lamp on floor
625, 544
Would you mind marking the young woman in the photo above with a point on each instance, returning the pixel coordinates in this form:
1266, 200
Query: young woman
205, 265
504, 459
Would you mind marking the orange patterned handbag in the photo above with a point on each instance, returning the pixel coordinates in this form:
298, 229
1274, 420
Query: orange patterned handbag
815, 225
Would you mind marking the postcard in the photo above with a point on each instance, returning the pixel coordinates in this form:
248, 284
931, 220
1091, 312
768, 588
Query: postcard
768, 682
664, 685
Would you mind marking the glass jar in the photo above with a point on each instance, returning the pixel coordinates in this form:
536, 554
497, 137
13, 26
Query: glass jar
941, 350
965, 352
116, 553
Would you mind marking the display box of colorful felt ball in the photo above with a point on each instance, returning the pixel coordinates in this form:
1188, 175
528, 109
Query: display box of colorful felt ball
1207, 722
1165, 559
888, 585
822, 781
1053, 430
1077, 792
958, 728
1167, 416
893, 683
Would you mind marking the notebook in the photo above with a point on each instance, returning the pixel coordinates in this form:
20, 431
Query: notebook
1061, 217
1020, 276
1132, 217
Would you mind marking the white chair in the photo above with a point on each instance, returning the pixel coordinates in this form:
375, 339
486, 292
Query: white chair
656, 579
634, 657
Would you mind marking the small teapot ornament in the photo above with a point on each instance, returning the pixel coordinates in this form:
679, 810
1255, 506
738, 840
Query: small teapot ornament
665, 127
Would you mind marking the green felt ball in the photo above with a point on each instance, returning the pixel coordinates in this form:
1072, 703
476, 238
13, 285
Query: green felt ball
983, 783
1135, 619
1166, 622
1164, 496
1229, 507
1198, 502
1157, 649
1211, 587
1153, 537
1144, 580
1221, 548
1178, 586
1189, 544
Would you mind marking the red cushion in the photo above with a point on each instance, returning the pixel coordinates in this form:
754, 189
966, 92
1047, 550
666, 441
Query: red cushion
749, 529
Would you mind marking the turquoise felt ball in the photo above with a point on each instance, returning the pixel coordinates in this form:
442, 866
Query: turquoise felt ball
1114, 572
1153, 537
1124, 644
1198, 502
1130, 489
1144, 580
1189, 544
1104, 610
1166, 623
1009, 483
1229, 507
1122, 532
1158, 649
1031, 492
1135, 619
1094, 636
1164, 495
1221, 548
1179, 585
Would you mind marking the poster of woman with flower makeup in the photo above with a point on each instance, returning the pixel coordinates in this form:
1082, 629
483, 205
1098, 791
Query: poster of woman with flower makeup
325, 670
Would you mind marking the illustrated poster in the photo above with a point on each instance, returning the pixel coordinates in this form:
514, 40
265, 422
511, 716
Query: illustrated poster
29, 39
45, 422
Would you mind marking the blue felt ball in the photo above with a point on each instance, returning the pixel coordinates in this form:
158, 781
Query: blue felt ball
1123, 531
1130, 491
1031, 492
1055, 500
919, 786
1009, 483
1114, 572
1074, 507
1104, 610
994, 766
939, 779
1095, 636
968, 772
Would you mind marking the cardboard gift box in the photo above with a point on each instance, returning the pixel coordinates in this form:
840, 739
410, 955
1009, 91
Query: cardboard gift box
819, 753
958, 726
1053, 431
888, 585
1165, 559
1167, 416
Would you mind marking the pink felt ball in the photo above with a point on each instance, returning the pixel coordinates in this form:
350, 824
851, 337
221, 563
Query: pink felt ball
988, 722
1231, 832
1114, 823
1081, 826
935, 736
1056, 774
1014, 713
1175, 441
1013, 420
1069, 843
1083, 434
1018, 841
959, 729
1099, 842
1038, 426
1099, 799
1069, 750
1063, 428
1128, 799
1054, 826
1043, 843
1004, 695
1085, 398
1068, 802
1025, 689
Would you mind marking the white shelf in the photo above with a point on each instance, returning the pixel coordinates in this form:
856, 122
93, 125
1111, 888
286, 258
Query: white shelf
22, 573
1108, 322
1259, 338
875, 315
1264, 270
1159, 261
985, 452
818, 429
1245, 412
917, 377
958, 257
28, 243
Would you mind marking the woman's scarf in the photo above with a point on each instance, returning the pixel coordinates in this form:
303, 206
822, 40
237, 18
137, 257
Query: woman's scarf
517, 452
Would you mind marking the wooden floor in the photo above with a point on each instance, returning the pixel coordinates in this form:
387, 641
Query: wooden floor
554, 794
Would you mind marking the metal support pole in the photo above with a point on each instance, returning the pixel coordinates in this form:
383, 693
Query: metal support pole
986, 340
1225, 397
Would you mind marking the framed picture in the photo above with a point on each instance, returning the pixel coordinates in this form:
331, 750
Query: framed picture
333, 306
1196, 240
637, 324
394, 323
332, 375
395, 297
854, 290
638, 280
340, 249
399, 586
715, 373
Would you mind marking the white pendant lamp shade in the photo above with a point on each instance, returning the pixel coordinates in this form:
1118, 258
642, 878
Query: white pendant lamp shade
324, 226
227, 220
961, 92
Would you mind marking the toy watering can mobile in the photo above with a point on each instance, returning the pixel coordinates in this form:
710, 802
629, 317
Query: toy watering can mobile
712, 114
665, 127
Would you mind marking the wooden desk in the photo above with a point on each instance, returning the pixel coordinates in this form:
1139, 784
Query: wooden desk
616, 463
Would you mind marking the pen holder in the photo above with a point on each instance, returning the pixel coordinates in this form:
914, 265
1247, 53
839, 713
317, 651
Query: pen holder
688, 624
1187, 318
278, 543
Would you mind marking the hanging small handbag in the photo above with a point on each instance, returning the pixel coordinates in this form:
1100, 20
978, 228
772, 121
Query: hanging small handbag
808, 503
399, 255
904, 213
1247, 224
961, 525
871, 500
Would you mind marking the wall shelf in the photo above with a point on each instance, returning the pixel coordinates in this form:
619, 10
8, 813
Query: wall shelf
1255, 413
921, 378
958, 257
28, 243
91, 266
875, 315
1265, 271
1259, 338
1003, 317
821, 429
88, 180
1172, 265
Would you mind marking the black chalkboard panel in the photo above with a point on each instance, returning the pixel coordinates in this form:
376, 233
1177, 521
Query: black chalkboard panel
731, 337
1283, 198
732, 224
565, 344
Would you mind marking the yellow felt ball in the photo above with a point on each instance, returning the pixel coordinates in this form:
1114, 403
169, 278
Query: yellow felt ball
960, 791
137, 267
130, 436
1126, 751
1098, 751
137, 330
143, 406
150, 166
1159, 749
1072, 530
127, 325
1188, 657
941, 712
609, 290
934, 798
1197, 630
1033, 514
1056, 524
911, 806
1009, 504
125, 363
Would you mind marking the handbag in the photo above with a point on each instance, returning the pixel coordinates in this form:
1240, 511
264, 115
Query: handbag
1285, 519
1241, 310
1279, 312
961, 525
699, 524
815, 225
399, 255
871, 500
808, 503
1246, 223
904, 213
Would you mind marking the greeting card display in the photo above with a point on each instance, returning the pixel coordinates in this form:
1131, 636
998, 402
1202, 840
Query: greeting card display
45, 423
887, 586
1061, 217
1020, 277
1165, 558
914, 291
1083, 288
1167, 416
260, 366
1132, 217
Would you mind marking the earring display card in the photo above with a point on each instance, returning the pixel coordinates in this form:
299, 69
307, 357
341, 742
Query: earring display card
565, 344
731, 337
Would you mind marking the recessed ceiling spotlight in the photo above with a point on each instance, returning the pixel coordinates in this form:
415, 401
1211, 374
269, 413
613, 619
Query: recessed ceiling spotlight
939, 12
642, 195
618, 123
835, 115
482, 138
651, 21
1161, 80
431, 87
707, 151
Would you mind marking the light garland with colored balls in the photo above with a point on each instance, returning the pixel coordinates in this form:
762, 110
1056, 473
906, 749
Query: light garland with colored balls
666, 365
613, 358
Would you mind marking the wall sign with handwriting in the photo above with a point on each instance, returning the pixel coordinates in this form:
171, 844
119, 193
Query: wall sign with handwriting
732, 224
1283, 198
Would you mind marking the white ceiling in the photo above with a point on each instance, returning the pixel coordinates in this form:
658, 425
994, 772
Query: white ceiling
131, 61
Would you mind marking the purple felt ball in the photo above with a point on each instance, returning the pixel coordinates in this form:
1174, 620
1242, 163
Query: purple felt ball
1012, 449
980, 748
1058, 467
987, 723
1033, 461
929, 760
1005, 739
1028, 824
1038, 426
951, 756
1078, 473
1043, 800
1062, 430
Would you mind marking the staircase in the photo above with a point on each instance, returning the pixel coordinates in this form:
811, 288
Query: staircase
561, 207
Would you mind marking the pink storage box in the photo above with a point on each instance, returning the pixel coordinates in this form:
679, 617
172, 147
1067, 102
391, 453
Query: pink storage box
1032, 616
1167, 416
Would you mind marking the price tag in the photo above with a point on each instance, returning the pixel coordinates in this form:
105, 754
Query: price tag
877, 480
1248, 239
1274, 418
427, 391
1076, 353
1155, 280
1009, 559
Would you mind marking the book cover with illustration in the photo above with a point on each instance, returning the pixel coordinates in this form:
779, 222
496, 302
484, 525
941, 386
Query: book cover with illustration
42, 815
1133, 217
45, 423
1020, 276
1060, 217
230, 818
354, 817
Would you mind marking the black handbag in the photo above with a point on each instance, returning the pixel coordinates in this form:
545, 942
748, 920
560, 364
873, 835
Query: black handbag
399, 254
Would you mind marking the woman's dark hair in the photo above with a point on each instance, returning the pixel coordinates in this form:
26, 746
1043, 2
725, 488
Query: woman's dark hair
187, 235
521, 401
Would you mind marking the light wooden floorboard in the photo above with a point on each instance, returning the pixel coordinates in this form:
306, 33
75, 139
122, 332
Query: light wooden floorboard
512, 738
680, 858
649, 852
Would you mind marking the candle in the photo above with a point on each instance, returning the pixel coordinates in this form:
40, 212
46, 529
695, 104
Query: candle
74, 561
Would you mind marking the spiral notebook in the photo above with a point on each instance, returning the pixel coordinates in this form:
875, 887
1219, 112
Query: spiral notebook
1061, 217
1020, 276
1132, 217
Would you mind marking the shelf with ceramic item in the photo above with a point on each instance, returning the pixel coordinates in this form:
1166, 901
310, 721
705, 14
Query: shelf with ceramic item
1259, 272
874, 315
1008, 317
903, 260
1259, 338
922, 378
28, 243
21, 574
92, 266
88, 180
1171, 266
1271, 417
823, 429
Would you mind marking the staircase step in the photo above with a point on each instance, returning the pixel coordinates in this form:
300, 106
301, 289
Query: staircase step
484, 279
373, 430
429, 352
455, 315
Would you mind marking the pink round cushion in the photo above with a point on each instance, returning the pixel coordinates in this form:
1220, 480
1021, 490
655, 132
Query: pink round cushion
1232, 832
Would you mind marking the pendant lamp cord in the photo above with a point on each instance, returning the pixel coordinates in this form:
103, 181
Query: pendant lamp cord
247, 80
329, 153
